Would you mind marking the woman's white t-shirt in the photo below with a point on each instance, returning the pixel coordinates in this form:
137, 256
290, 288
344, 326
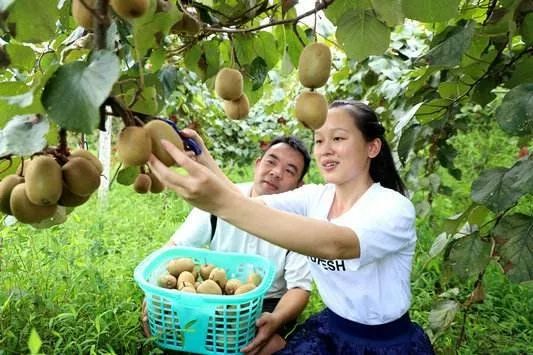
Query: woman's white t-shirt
374, 288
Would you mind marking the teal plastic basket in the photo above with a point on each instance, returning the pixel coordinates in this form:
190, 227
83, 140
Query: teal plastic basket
200, 323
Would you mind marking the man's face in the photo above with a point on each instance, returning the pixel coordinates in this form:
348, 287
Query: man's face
279, 170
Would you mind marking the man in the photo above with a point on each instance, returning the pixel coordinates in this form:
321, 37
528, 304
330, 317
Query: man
282, 167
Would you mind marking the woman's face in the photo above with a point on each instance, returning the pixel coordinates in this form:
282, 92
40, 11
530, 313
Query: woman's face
340, 150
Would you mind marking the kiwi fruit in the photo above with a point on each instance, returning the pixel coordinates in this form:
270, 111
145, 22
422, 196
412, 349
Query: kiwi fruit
231, 286
142, 183
218, 275
177, 266
209, 287
6, 187
247, 287
82, 15
159, 130
186, 278
90, 157
229, 84
254, 278
314, 65
205, 270
188, 25
24, 210
129, 9
43, 181
59, 217
167, 281
134, 146
189, 289
237, 109
80, 176
70, 199
157, 186
311, 109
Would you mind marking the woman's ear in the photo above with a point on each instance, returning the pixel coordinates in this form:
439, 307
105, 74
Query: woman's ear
374, 147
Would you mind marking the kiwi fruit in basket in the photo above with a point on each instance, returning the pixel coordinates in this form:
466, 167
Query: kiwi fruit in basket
167, 281
177, 266
209, 287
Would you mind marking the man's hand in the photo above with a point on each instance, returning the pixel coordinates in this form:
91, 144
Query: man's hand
267, 325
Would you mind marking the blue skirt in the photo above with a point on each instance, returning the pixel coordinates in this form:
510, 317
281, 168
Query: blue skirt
326, 333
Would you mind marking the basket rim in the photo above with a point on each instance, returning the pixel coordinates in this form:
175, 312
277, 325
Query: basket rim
148, 287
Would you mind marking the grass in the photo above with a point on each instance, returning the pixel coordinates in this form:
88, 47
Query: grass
73, 283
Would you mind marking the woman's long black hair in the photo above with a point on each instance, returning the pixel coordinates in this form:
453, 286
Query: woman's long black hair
382, 167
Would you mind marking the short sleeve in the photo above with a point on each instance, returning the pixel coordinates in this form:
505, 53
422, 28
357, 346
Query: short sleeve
297, 273
295, 201
195, 231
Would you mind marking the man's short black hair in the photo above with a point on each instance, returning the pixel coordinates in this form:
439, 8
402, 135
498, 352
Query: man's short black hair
295, 144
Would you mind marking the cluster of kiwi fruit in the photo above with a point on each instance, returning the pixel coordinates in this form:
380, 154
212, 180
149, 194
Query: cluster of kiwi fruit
126, 9
314, 67
184, 275
229, 87
45, 188
134, 146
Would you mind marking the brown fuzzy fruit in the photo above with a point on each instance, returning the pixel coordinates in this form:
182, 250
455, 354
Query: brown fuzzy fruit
80, 176
129, 9
247, 287
142, 183
209, 287
134, 146
167, 281
189, 289
314, 65
254, 278
82, 15
186, 278
218, 275
159, 130
43, 181
311, 109
69, 199
205, 270
90, 157
237, 109
157, 186
231, 286
177, 266
6, 187
24, 210
229, 84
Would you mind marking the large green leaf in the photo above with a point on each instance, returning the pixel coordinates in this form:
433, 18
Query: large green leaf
500, 188
449, 52
35, 20
430, 11
22, 57
23, 135
468, 256
523, 72
73, 95
361, 34
407, 141
16, 99
515, 114
443, 314
526, 29
514, 234
389, 11
338, 8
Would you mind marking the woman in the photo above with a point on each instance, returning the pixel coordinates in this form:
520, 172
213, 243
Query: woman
358, 231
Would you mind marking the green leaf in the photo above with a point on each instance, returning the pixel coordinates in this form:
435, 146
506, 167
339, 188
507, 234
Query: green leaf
432, 110
361, 34
257, 71
23, 135
389, 11
469, 255
453, 224
526, 29
35, 20
407, 141
34, 342
338, 8
514, 234
73, 95
126, 176
500, 188
515, 114
449, 52
22, 57
16, 99
482, 93
443, 314
430, 11
452, 90
523, 72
